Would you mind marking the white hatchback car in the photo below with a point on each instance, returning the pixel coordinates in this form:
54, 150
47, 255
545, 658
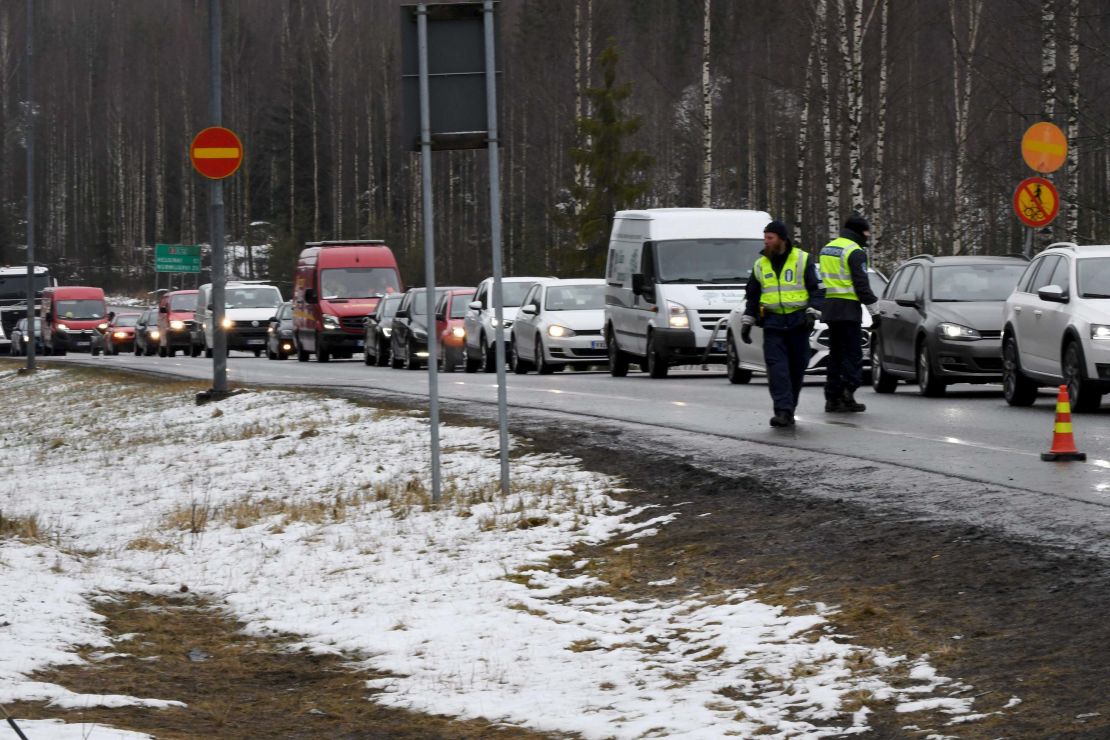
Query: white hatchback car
560, 324
745, 359
1057, 327
479, 348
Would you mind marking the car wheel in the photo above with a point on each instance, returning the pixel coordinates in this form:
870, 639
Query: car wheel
618, 360
736, 374
95, 351
518, 365
489, 357
135, 348
381, 354
928, 384
171, 352
881, 381
194, 350
161, 351
395, 360
322, 354
657, 366
449, 361
367, 358
1017, 389
543, 367
1082, 393
208, 352
412, 362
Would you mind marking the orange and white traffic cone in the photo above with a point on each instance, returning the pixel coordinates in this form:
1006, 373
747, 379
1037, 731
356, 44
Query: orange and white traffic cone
1063, 443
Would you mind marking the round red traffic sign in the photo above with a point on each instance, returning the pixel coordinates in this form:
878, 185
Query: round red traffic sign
216, 152
1036, 202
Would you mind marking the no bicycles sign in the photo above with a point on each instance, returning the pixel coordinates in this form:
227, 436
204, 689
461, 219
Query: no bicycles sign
1036, 202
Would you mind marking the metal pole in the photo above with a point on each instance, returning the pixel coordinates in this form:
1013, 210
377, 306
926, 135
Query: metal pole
429, 243
216, 209
30, 134
495, 238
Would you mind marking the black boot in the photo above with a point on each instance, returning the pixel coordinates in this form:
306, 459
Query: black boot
849, 403
782, 419
834, 406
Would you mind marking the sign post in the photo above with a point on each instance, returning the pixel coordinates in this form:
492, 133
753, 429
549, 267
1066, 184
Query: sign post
30, 137
1044, 147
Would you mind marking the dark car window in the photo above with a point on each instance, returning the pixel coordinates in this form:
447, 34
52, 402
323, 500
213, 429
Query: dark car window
357, 282
388, 307
1093, 274
974, 282
1044, 273
129, 320
84, 308
895, 284
1060, 275
459, 305
1027, 276
576, 297
877, 281
512, 294
187, 302
913, 285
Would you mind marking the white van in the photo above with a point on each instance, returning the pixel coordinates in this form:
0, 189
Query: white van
250, 304
672, 275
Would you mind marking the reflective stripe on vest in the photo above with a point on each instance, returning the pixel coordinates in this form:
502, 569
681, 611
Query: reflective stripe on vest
786, 292
835, 272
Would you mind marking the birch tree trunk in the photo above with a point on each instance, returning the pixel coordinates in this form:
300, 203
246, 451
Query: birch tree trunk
851, 53
880, 133
802, 145
1048, 59
1071, 220
963, 55
831, 205
707, 109
290, 69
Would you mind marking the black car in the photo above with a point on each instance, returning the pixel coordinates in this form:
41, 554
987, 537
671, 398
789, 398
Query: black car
279, 335
409, 338
18, 346
379, 327
146, 332
940, 322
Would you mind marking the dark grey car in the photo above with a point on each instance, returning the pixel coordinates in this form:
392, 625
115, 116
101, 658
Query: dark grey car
19, 336
940, 322
279, 334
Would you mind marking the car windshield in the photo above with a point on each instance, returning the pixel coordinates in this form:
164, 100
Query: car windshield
186, 302
1094, 277
14, 287
22, 325
357, 282
459, 305
575, 298
390, 305
706, 260
877, 281
262, 296
128, 320
512, 294
975, 282
82, 309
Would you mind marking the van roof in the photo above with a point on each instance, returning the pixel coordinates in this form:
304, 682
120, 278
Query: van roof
699, 223
20, 270
75, 291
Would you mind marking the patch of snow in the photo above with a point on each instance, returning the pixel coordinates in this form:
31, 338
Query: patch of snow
53, 729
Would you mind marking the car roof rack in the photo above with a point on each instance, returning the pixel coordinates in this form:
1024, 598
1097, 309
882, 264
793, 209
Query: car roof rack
1062, 245
922, 257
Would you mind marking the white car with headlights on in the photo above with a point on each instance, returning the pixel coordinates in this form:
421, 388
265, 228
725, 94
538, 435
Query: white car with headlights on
1057, 327
479, 348
560, 324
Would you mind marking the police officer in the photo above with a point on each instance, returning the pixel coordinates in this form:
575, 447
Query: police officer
844, 272
780, 298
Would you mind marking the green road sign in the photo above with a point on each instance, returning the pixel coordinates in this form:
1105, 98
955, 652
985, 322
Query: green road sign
177, 258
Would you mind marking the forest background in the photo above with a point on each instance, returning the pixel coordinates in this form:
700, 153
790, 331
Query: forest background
908, 111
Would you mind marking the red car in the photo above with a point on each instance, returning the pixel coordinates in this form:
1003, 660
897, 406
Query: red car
450, 312
175, 321
120, 334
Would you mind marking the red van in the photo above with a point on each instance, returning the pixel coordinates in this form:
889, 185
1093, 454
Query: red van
337, 284
175, 321
71, 315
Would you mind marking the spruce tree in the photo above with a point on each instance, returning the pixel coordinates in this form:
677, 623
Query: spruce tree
614, 176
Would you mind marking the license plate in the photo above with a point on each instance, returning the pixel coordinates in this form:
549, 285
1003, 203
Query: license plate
256, 341
600, 344
719, 345
360, 343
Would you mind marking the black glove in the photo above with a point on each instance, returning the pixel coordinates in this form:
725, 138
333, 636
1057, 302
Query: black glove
746, 333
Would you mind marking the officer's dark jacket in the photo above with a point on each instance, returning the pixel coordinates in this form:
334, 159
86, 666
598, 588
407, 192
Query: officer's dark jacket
838, 309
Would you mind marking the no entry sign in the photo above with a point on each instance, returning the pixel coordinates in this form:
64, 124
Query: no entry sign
1044, 147
1036, 202
216, 152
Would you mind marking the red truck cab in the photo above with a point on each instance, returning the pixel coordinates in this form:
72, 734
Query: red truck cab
336, 285
71, 316
176, 316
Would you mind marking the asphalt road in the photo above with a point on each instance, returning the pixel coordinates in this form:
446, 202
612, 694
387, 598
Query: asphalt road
971, 434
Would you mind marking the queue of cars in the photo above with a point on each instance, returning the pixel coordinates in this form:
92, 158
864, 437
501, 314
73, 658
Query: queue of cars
672, 294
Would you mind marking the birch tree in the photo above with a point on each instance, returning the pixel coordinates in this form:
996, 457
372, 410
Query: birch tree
1048, 59
1071, 219
877, 216
831, 204
851, 53
963, 55
707, 109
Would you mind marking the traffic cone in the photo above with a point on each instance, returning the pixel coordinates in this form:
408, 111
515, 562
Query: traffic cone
1063, 443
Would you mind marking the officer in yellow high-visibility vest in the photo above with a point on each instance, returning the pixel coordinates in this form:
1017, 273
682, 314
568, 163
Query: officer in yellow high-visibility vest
843, 264
782, 297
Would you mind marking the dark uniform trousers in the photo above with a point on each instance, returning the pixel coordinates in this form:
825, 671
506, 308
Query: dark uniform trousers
786, 352
845, 360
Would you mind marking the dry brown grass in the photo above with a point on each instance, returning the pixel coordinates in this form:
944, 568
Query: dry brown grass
21, 528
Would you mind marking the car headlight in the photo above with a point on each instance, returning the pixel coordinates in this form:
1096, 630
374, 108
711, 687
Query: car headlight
119, 334
493, 322
957, 331
677, 318
458, 332
154, 334
63, 327
331, 322
269, 330
177, 325
1100, 331
227, 323
559, 331
387, 331
102, 326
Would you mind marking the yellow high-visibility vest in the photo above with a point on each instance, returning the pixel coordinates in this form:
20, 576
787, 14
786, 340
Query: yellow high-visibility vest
785, 292
835, 272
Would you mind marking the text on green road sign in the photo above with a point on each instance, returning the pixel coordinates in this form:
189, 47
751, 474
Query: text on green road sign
177, 258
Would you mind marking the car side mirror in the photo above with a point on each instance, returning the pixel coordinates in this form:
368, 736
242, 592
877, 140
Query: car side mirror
209, 306
310, 296
49, 317
1053, 293
529, 310
643, 287
474, 305
908, 300
273, 319
401, 314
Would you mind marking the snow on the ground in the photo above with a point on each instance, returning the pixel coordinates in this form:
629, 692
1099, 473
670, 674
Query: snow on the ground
308, 516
